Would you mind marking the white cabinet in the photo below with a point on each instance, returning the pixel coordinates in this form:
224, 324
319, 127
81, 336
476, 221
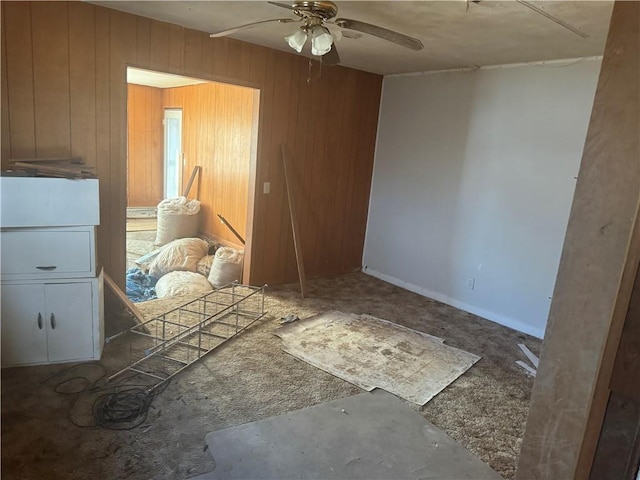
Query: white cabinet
24, 339
51, 298
47, 323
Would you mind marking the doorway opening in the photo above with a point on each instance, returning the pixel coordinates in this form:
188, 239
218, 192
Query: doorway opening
172, 122
192, 138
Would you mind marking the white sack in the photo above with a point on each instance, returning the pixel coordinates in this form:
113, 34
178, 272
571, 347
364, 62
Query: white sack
182, 254
182, 283
204, 265
177, 218
226, 266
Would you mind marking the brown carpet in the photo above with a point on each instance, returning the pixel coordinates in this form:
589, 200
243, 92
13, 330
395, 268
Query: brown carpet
251, 379
139, 243
141, 224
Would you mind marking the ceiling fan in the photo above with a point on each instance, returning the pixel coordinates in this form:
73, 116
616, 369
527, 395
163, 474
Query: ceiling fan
315, 17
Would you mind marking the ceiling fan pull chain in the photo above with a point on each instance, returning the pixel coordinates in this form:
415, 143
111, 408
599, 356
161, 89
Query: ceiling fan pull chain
309, 73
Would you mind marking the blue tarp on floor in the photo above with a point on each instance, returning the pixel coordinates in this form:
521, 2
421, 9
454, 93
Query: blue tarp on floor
140, 286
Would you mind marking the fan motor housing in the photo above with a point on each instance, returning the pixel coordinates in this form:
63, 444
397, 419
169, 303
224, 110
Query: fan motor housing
324, 10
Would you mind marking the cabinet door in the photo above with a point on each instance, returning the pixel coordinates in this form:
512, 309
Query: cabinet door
24, 330
69, 321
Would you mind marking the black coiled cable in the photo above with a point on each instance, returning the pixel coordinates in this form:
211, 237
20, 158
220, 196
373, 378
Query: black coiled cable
121, 407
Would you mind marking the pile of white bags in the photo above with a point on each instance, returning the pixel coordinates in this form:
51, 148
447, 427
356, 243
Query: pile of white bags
204, 265
226, 266
181, 283
182, 254
177, 218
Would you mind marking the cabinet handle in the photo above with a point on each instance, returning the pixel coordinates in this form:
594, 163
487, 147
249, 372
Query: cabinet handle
47, 268
40, 321
53, 321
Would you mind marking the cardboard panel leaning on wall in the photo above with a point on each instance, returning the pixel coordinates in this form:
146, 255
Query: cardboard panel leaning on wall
117, 40
478, 170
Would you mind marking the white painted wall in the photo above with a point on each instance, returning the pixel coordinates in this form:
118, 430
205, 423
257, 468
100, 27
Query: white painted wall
474, 178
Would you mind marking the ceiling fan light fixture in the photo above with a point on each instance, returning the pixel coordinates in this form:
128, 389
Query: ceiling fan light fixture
321, 40
297, 40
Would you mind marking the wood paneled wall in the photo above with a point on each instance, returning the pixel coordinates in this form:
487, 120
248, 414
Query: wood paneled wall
65, 88
217, 126
145, 146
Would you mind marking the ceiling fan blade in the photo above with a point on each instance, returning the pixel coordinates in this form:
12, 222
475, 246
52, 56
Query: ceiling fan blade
385, 34
542, 12
283, 5
229, 31
332, 57
552, 18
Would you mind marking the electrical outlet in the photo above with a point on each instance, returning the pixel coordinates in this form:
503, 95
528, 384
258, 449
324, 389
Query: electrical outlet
471, 283
266, 188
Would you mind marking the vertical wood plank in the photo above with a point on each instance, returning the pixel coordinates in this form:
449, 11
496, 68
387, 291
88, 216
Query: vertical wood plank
239, 65
19, 49
192, 52
258, 65
278, 230
122, 43
253, 187
6, 135
220, 57
176, 49
293, 257
143, 41
330, 172
82, 81
345, 177
290, 187
103, 132
595, 277
262, 172
51, 79
303, 154
366, 150
145, 137
206, 58
159, 45
320, 191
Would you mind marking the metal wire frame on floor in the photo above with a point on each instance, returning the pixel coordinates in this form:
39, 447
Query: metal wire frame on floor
167, 344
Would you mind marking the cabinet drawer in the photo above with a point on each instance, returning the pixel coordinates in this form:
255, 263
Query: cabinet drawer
48, 202
43, 253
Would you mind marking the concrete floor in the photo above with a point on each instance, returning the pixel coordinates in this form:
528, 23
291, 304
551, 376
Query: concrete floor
363, 437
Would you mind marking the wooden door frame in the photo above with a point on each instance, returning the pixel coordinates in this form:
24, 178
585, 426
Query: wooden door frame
597, 270
256, 140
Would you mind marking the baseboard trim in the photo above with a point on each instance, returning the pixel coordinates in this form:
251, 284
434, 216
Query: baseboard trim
486, 314
142, 212
219, 241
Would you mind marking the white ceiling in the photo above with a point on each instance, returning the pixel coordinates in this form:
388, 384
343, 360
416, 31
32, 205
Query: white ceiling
159, 80
455, 33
